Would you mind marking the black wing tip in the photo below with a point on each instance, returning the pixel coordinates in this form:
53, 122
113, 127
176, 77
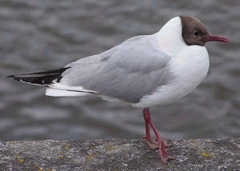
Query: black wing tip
14, 77
10, 76
56, 71
40, 78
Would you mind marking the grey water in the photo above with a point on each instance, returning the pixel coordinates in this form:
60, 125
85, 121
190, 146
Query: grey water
39, 35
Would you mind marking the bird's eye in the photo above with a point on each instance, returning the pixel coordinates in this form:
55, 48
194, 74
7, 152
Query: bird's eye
196, 33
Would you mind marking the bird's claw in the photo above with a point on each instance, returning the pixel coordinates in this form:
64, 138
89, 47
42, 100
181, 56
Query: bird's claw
166, 158
153, 144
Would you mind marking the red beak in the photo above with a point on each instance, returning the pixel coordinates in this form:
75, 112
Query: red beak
216, 38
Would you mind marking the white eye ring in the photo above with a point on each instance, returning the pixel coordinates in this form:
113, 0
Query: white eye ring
196, 33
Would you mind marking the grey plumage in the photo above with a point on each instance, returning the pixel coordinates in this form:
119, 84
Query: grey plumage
128, 71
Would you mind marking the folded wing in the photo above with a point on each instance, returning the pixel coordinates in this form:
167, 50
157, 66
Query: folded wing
127, 72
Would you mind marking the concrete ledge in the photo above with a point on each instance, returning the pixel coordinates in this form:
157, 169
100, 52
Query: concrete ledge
68, 155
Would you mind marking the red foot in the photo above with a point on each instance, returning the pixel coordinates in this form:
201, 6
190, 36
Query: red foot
153, 144
158, 143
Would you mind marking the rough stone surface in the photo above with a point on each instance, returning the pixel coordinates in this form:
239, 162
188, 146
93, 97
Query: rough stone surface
68, 155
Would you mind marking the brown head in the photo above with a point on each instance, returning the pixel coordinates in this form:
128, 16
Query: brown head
195, 33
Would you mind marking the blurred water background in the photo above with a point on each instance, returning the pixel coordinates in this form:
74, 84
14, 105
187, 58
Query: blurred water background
37, 35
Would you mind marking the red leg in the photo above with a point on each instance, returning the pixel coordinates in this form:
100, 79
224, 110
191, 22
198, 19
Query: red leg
151, 144
148, 134
159, 142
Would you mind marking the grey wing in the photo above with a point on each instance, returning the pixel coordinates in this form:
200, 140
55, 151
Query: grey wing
127, 72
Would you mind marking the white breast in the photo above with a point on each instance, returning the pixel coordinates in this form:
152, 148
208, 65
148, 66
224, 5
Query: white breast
189, 67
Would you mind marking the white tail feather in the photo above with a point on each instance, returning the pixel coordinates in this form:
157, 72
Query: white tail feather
59, 89
62, 93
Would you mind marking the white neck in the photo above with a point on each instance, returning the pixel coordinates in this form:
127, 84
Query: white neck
170, 36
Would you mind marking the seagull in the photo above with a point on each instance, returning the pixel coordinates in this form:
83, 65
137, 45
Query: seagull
143, 71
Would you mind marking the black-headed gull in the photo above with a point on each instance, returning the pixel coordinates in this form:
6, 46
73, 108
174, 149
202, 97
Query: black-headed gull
143, 71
